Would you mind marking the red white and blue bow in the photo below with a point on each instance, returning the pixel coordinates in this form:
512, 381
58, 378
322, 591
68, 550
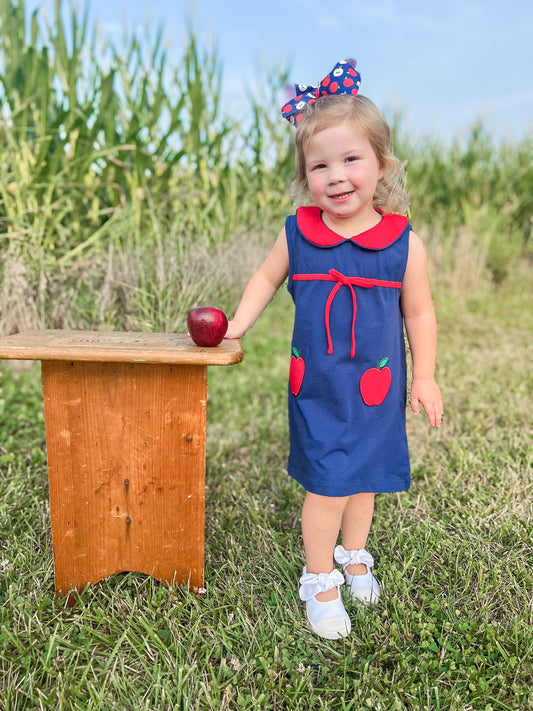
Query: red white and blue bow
343, 79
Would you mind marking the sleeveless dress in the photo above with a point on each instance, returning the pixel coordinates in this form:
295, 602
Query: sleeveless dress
347, 378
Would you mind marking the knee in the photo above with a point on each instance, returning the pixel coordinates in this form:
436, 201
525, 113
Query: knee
332, 504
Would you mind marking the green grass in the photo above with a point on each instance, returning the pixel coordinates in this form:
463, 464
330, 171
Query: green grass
453, 631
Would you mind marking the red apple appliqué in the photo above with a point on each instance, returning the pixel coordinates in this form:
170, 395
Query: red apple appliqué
207, 325
375, 383
296, 372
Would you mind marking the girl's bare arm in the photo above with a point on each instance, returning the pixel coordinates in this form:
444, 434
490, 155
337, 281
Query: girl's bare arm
261, 288
421, 327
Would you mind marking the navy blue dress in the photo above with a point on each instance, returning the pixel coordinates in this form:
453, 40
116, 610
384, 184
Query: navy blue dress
347, 383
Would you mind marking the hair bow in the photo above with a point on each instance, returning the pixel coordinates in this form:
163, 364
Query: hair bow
343, 79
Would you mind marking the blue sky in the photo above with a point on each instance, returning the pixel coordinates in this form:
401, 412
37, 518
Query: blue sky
442, 65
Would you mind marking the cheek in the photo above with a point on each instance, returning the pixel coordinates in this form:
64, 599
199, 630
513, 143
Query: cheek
313, 183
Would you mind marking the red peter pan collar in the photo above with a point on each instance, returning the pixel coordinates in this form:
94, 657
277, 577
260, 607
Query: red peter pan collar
388, 230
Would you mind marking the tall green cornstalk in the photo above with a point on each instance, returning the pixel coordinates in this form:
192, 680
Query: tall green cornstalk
474, 187
121, 171
108, 151
82, 142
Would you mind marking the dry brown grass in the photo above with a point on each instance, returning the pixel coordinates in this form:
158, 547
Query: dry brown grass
18, 307
131, 286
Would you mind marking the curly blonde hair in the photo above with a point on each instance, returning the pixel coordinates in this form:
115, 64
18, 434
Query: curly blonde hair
390, 195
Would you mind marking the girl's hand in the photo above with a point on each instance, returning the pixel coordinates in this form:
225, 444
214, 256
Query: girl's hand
235, 330
425, 392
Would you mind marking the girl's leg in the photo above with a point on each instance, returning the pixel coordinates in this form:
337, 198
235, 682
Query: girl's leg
321, 522
356, 521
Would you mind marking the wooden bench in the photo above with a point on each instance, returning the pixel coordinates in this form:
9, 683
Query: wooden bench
125, 418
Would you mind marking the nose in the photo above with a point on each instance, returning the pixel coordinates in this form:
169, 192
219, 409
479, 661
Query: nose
335, 173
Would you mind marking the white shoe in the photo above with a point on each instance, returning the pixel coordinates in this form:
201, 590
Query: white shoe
362, 587
327, 619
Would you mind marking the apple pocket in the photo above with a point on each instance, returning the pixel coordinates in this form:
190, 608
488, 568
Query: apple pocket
375, 383
296, 372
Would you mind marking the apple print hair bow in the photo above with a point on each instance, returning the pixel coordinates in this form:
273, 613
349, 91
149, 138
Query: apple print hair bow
343, 79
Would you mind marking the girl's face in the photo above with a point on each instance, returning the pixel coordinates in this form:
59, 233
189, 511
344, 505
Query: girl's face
342, 173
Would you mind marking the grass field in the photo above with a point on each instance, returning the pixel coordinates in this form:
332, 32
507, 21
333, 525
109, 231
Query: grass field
453, 631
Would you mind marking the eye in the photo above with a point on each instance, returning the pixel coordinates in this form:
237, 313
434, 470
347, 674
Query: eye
353, 158
318, 166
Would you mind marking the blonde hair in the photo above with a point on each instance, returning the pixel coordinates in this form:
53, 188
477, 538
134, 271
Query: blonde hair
390, 195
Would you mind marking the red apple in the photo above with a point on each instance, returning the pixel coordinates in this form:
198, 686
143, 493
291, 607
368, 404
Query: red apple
296, 372
375, 383
207, 325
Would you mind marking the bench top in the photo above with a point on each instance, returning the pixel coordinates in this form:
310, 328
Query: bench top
116, 346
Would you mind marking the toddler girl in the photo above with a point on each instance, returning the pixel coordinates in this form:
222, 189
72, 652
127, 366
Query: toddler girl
357, 274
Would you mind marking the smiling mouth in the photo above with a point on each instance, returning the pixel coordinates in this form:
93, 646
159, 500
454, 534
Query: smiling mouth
341, 196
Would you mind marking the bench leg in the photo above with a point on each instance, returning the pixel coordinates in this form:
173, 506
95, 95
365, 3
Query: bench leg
126, 464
